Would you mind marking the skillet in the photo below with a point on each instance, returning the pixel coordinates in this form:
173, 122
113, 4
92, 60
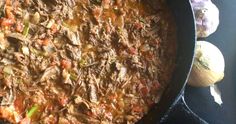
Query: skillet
172, 107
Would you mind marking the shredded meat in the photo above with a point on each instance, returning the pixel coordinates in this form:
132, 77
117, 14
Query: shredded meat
83, 61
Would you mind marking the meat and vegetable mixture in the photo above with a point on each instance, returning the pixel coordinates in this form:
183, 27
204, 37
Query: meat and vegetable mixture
83, 61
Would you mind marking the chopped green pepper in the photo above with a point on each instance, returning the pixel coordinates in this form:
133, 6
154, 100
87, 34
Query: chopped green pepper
32, 111
26, 29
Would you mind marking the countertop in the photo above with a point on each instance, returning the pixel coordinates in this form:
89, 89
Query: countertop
199, 99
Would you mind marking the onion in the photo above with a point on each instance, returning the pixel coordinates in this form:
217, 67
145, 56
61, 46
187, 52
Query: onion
208, 67
8, 70
36, 18
50, 23
25, 50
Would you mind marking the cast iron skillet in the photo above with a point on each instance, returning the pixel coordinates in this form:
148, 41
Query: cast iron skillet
172, 108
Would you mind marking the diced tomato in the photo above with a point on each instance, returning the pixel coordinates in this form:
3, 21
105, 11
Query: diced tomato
150, 103
97, 13
54, 29
43, 42
137, 108
54, 61
66, 64
138, 25
63, 100
108, 28
18, 104
108, 115
19, 27
132, 50
49, 107
156, 85
7, 22
25, 120
112, 96
156, 42
144, 91
101, 109
143, 81
89, 113
149, 55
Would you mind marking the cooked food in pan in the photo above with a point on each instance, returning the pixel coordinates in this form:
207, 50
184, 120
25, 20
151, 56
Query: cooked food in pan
83, 61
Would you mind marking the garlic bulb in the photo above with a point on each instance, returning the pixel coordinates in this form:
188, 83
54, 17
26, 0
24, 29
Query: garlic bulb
206, 17
208, 67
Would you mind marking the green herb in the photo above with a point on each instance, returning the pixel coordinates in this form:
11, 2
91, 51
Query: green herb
82, 63
116, 10
120, 30
37, 52
32, 111
1, 13
73, 76
26, 29
142, 20
65, 24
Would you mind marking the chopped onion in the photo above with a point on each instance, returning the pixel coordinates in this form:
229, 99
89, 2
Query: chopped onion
122, 73
36, 18
8, 70
50, 23
25, 50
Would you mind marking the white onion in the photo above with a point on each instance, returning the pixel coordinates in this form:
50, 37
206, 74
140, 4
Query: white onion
208, 67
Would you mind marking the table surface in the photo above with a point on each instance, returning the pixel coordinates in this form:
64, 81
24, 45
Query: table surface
199, 99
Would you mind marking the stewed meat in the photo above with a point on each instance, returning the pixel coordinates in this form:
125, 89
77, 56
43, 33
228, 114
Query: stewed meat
83, 61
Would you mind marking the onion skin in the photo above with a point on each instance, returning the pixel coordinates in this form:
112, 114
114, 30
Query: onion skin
208, 67
200, 77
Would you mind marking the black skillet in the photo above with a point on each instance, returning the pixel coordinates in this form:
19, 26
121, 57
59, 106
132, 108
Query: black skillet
172, 108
